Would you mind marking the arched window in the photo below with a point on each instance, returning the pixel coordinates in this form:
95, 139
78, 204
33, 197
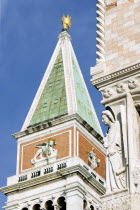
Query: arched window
36, 207
62, 203
84, 204
91, 207
49, 205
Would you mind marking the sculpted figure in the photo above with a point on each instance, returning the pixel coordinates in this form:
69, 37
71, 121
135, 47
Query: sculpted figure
112, 142
46, 149
107, 93
94, 162
120, 88
66, 22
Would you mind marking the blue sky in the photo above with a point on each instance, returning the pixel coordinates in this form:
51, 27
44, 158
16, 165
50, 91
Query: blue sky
29, 31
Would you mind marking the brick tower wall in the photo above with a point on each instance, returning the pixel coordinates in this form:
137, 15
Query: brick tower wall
122, 36
69, 143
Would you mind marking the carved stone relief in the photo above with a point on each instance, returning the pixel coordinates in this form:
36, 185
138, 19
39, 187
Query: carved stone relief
46, 152
122, 203
132, 83
120, 88
107, 93
93, 161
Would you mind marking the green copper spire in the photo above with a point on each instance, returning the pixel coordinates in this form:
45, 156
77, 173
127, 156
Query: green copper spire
62, 90
53, 101
84, 108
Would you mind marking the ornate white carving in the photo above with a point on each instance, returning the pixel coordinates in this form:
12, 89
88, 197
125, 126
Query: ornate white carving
94, 162
107, 93
115, 179
47, 150
117, 74
122, 203
132, 84
120, 88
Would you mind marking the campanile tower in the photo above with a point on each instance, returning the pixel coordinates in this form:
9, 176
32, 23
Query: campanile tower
60, 160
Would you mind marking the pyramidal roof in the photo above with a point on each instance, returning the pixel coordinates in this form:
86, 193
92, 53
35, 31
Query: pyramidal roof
62, 90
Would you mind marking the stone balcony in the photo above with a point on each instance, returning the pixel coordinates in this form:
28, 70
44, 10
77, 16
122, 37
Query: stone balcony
52, 168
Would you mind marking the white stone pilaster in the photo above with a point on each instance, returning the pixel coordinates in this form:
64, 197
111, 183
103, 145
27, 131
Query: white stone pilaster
74, 200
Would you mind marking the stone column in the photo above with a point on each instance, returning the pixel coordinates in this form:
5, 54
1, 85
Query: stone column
74, 200
56, 207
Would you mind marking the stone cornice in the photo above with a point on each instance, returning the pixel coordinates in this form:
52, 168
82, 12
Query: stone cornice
120, 96
123, 192
115, 76
61, 174
57, 121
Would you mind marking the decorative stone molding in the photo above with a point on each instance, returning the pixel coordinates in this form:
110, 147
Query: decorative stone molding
100, 31
65, 172
107, 93
132, 83
116, 75
122, 203
120, 88
122, 96
58, 121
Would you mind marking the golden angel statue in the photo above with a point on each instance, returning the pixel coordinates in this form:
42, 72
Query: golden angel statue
66, 22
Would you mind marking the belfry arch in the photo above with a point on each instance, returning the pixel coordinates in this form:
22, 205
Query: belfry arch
49, 205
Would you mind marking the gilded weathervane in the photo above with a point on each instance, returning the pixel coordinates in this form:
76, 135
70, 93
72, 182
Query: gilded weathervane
66, 22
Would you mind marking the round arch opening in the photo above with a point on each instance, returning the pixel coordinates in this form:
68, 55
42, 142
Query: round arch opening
36, 207
62, 203
49, 205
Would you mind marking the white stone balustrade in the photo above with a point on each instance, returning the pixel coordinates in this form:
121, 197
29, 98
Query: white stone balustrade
41, 171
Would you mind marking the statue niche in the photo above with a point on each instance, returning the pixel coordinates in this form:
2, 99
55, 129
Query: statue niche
115, 177
45, 154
